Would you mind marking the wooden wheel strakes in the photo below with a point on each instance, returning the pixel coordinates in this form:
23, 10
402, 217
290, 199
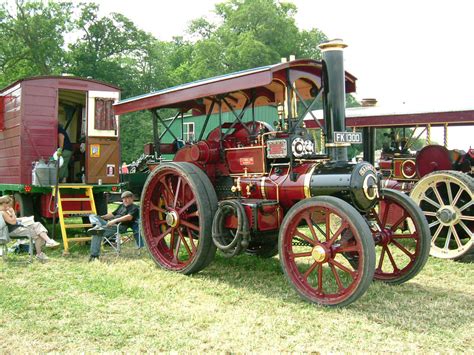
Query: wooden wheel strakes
176, 218
446, 198
315, 234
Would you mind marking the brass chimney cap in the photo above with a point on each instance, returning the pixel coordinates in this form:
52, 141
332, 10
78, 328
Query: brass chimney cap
334, 44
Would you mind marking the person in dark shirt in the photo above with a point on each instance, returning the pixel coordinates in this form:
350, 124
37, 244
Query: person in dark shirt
106, 226
66, 146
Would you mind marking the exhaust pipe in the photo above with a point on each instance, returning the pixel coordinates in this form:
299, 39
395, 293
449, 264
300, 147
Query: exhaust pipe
334, 96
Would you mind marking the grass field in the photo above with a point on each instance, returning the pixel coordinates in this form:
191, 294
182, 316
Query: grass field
235, 305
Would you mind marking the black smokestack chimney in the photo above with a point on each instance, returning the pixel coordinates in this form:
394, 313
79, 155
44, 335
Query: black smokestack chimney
334, 96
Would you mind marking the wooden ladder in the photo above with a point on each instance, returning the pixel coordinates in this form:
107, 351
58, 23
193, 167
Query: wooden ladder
65, 225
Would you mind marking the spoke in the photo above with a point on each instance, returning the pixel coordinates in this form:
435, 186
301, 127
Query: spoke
402, 248
310, 270
432, 224
385, 214
156, 208
192, 214
469, 232
172, 241
162, 235
181, 236
427, 199
186, 206
305, 238
189, 225
338, 233
469, 204
176, 250
405, 236
320, 278
438, 196
436, 234
342, 267
328, 225
382, 257
300, 255
307, 218
450, 192
459, 193
448, 239
348, 249
456, 237
191, 239
176, 193
430, 214
468, 218
392, 260
400, 220
169, 193
376, 215
336, 276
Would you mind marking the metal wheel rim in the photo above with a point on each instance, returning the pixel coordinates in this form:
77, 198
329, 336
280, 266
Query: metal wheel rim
317, 268
458, 232
172, 241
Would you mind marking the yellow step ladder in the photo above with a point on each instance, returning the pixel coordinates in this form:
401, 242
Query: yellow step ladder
65, 225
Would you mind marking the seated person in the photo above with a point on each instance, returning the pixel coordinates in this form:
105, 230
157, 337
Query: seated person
106, 226
37, 231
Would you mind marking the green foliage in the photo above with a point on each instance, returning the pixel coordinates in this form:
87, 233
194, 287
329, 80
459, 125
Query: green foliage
33, 39
44, 38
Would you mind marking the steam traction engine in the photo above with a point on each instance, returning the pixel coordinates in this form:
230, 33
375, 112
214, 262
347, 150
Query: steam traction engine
249, 187
441, 183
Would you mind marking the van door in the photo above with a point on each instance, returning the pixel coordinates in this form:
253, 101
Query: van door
102, 143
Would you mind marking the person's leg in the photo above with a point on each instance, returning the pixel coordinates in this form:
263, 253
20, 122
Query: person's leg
96, 241
97, 220
39, 245
64, 169
95, 246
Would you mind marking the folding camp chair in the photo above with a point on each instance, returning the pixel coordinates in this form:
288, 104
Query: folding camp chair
4, 242
116, 240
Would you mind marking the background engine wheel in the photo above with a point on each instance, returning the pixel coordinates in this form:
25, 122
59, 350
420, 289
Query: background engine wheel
401, 235
314, 235
178, 204
446, 198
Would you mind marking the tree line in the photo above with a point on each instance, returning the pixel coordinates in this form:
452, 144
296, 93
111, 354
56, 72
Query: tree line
53, 38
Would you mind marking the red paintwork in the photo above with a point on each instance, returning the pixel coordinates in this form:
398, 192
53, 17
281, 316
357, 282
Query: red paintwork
163, 195
308, 276
47, 204
30, 112
185, 96
2, 113
390, 217
453, 118
250, 159
432, 158
269, 216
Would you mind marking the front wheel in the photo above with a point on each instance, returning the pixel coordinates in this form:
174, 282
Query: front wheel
401, 235
314, 236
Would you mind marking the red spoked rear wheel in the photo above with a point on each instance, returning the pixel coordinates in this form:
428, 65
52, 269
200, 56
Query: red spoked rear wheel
316, 234
401, 235
176, 216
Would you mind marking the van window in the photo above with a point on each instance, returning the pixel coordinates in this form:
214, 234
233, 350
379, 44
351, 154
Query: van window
104, 114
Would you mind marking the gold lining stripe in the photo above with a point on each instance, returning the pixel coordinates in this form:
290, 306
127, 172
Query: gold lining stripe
262, 188
307, 180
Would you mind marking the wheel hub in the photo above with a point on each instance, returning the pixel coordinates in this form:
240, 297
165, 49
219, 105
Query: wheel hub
447, 215
319, 253
172, 219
